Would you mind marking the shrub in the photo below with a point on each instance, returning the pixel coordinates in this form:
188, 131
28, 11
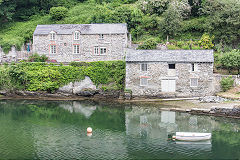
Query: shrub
148, 44
41, 76
172, 47
231, 60
79, 64
196, 47
206, 41
226, 83
37, 58
180, 44
58, 13
185, 47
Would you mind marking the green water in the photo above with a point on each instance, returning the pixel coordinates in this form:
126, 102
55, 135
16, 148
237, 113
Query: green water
57, 130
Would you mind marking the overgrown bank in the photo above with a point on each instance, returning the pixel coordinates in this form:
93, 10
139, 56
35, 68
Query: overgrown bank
39, 76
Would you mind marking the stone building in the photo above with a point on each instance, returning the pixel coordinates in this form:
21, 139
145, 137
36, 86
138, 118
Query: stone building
81, 42
170, 73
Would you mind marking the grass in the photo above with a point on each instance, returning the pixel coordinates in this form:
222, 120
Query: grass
231, 94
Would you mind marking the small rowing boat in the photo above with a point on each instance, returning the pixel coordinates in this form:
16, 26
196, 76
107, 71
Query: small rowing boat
192, 136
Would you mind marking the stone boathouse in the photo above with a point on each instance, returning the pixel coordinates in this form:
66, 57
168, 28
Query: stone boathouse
82, 42
170, 73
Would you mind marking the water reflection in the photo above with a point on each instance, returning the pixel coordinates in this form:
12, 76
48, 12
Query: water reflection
75, 106
57, 130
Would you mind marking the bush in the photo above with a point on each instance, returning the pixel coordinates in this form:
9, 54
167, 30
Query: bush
40, 76
148, 44
231, 60
206, 41
58, 13
37, 58
172, 47
226, 83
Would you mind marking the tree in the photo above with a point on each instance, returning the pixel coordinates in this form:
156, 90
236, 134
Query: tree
148, 44
231, 60
153, 6
58, 13
173, 17
7, 8
223, 20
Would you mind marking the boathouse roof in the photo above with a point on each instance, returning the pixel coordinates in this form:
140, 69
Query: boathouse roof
133, 55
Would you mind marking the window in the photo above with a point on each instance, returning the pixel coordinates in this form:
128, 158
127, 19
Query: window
96, 51
101, 36
194, 67
193, 82
76, 35
103, 51
143, 67
52, 36
143, 81
53, 49
76, 49
171, 66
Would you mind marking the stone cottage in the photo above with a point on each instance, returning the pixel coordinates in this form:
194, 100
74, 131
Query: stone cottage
82, 42
170, 73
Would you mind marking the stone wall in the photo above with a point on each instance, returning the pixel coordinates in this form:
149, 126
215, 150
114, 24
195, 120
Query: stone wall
159, 70
14, 55
218, 78
115, 44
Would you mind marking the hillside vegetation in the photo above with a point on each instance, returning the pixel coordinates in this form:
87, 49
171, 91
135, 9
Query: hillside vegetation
183, 22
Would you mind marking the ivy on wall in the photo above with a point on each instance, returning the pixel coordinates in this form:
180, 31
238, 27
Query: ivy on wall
49, 77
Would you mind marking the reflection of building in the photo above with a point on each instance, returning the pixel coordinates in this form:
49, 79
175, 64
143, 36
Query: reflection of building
155, 126
150, 122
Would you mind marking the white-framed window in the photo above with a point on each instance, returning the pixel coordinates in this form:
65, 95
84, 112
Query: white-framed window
101, 36
103, 50
144, 67
76, 49
143, 81
194, 67
193, 82
53, 49
52, 36
96, 50
76, 35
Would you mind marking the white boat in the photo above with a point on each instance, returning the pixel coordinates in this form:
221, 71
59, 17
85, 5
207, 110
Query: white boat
192, 136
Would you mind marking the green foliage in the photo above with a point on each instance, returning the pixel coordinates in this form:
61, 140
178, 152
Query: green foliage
223, 20
172, 47
153, 6
40, 76
178, 19
7, 8
231, 60
226, 83
58, 13
186, 45
37, 58
148, 44
206, 41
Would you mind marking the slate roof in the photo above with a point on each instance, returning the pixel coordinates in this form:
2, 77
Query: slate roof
117, 28
133, 55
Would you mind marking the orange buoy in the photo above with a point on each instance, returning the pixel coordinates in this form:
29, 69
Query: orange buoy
89, 130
